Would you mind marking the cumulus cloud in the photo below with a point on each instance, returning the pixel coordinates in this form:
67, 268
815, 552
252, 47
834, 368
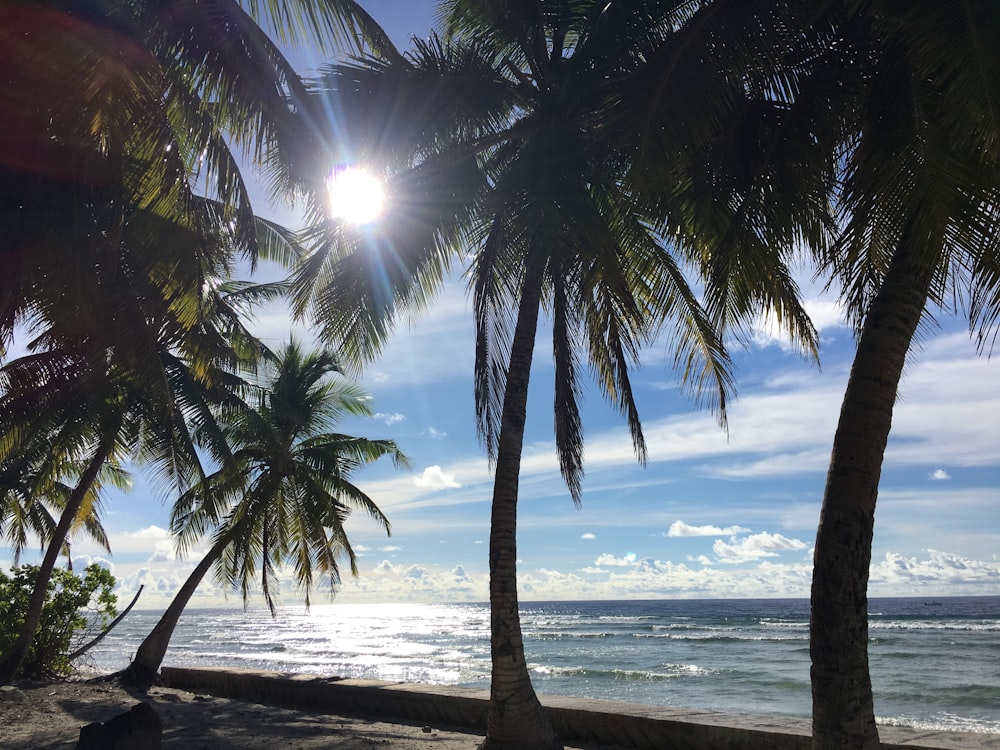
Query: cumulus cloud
913, 575
930, 573
825, 314
162, 552
588, 535
617, 562
390, 418
755, 547
940, 474
80, 562
679, 528
435, 434
150, 532
434, 478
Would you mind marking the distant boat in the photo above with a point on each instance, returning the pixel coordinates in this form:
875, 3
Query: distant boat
932, 604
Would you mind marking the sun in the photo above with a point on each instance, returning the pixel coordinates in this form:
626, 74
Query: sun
356, 196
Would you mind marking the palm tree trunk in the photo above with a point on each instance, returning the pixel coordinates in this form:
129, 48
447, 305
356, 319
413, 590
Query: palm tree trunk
843, 706
101, 636
12, 660
516, 719
146, 665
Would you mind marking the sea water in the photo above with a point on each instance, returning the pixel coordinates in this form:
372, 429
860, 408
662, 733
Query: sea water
935, 664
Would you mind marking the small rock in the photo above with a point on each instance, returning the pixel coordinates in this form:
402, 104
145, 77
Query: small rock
139, 728
12, 694
426, 730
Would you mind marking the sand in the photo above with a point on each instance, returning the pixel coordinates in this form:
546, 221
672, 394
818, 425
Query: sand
50, 716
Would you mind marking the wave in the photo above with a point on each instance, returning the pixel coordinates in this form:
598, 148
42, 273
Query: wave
980, 626
730, 638
942, 722
672, 672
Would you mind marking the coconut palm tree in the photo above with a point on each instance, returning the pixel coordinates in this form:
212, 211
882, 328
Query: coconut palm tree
915, 90
95, 415
112, 105
116, 115
505, 150
284, 498
33, 486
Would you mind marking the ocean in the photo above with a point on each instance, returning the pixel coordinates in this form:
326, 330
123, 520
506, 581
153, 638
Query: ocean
935, 664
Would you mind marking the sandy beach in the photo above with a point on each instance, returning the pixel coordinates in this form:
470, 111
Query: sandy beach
50, 716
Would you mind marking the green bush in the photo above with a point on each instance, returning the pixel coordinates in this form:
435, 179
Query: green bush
74, 606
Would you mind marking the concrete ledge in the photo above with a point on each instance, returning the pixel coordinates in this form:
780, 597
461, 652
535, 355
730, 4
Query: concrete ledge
574, 719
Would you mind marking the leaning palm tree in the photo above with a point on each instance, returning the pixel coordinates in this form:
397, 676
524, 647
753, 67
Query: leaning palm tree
116, 113
92, 414
285, 496
34, 492
915, 92
504, 150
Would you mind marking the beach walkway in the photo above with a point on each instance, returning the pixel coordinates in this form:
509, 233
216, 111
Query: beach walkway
587, 721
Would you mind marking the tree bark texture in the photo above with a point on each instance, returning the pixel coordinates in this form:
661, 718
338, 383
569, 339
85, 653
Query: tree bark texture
11, 661
114, 623
516, 719
146, 665
843, 705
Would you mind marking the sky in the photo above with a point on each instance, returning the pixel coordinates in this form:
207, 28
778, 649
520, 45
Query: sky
712, 515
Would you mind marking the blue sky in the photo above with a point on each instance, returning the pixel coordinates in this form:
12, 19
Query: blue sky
711, 515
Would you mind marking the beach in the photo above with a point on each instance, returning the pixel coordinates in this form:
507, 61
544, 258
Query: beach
51, 715
352, 715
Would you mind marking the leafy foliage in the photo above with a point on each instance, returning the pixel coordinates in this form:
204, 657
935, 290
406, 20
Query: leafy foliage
73, 606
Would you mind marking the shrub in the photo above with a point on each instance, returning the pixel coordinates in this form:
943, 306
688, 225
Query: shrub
74, 606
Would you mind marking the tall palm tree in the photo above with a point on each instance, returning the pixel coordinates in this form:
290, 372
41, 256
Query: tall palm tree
284, 498
504, 150
116, 113
92, 414
915, 90
112, 105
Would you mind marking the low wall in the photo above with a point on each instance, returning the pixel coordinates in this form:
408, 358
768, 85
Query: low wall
574, 719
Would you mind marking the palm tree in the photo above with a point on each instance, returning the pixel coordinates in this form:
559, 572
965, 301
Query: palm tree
504, 147
115, 113
916, 91
117, 105
33, 485
285, 497
96, 414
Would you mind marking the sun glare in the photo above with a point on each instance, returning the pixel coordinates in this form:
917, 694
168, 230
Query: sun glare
355, 195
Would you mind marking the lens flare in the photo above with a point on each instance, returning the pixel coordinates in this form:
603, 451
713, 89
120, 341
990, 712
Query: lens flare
356, 196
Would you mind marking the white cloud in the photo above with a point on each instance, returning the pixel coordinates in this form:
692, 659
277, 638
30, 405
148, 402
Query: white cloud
824, 313
679, 528
389, 418
390, 548
913, 575
150, 532
755, 547
435, 434
82, 561
610, 560
929, 573
433, 478
940, 474
588, 535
